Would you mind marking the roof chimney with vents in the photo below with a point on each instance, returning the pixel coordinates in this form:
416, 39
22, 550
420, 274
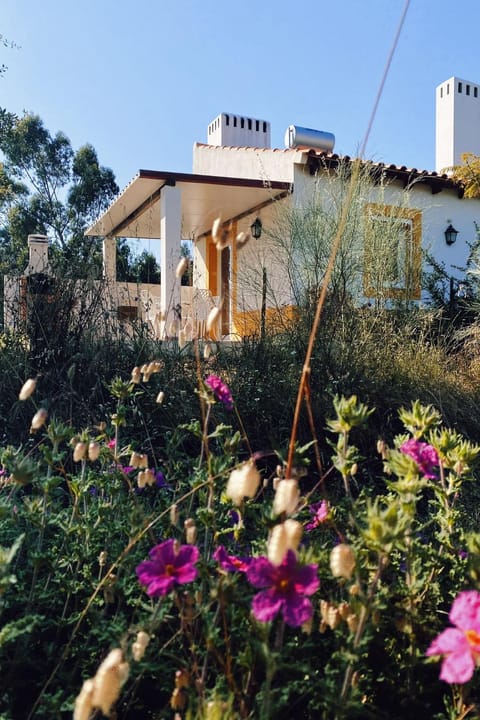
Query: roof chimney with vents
238, 131
37, 254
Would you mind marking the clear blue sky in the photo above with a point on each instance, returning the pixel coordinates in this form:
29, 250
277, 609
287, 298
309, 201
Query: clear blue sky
141, 80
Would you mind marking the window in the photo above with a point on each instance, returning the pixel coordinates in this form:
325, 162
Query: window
459, 87
242, 123
392, 257
249, 124
127, 313
467, 89
441, 92
475, 92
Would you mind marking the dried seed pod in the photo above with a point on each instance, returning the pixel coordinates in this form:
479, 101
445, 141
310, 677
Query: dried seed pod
190, 531
243, 482
212, 318
178, 700
174, 514
342, 561
181, 267
277, 545
93, 450
352, 622
140, 645
80, 452
38, 420
102, 558
28, 388
138, 460
160, 397
83, 703
136, 375
333, 617
242, 239
182, 679
110, 677
287, 496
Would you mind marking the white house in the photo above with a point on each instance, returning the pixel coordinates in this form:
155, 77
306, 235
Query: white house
238, 177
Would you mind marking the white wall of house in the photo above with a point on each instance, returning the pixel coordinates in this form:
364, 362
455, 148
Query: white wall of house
245, 162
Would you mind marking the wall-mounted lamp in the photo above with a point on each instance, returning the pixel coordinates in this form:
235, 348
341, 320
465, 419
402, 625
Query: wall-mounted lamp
450, 234
256, 228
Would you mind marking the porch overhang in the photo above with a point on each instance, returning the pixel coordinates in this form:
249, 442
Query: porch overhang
135, 213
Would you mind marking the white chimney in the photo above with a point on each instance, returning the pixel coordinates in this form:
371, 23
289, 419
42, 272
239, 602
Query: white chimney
238, 131
37, 254
457, 126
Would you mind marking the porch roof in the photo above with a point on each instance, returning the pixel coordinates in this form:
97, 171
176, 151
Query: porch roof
135, 213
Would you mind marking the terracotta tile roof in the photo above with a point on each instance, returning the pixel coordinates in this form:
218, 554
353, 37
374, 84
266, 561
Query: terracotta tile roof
318, 159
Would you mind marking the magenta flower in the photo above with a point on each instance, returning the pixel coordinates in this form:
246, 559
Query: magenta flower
230, 563
111, 444
220, 390
461, 644
319, 512
424, 455
287, 584
169, 565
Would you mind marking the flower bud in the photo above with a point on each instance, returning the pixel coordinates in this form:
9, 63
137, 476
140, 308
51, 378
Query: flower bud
28, 389
102, 558
243, 482
38, 420
342, 561
286, 498
80, 452
93, 451
160, 397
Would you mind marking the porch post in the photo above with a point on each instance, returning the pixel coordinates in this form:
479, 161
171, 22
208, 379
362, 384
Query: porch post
170, 234
110, 258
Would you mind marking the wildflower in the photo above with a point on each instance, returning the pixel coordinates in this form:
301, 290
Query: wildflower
111, 444
319, 512
425, 456
243, 482
230, 563
461, 644
221, 390
169, 565
287, 586
28, 389
160, 479
342, 561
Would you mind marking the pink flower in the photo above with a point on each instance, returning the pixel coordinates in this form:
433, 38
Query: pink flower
221, 390
169, 565
460, 645
319, 512
287, 584
111, 444
424, 455
230, 563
